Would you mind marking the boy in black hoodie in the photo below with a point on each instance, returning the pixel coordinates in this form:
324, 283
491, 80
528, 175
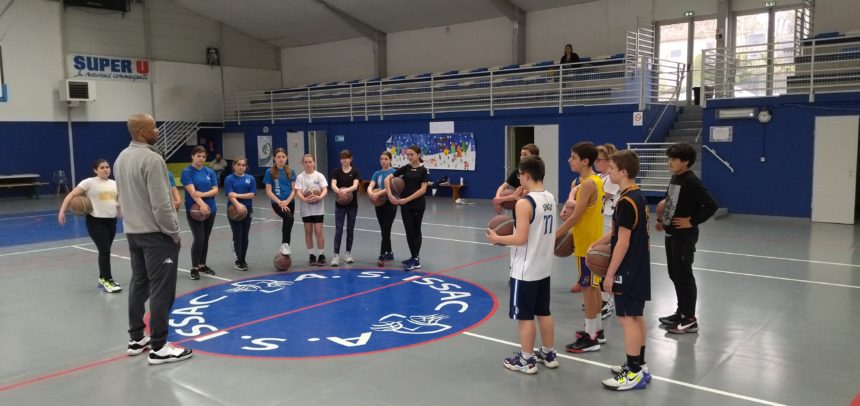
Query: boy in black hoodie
686, 205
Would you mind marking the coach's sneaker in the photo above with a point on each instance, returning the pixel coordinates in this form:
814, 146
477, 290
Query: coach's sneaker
671, 320
194, 274
618, 368
549, 359
685, 326
517, 363
169, 353
321, 260
626, 380
285, 249
600, 337
312, 260
335, 261
137, 347
583, 344
348, 259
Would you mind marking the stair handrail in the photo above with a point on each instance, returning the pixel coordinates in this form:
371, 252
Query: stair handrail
670, 102
714, 153
699, 135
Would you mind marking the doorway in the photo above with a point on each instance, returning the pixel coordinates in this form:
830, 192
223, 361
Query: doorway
834, 169
546, 139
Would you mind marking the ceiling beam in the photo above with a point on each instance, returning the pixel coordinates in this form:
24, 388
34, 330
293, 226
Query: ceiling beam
377, 36
518, 18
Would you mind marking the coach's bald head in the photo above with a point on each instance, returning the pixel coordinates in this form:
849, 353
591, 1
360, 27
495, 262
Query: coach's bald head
142, 128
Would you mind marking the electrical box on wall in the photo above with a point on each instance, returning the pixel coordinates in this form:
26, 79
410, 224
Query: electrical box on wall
73, 90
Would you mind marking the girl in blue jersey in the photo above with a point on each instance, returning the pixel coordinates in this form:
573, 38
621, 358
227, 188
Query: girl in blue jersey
201, 187
385, 213
240, 189
279, 181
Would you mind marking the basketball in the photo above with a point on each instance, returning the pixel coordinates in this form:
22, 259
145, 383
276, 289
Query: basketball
196, 214
344, 199
312, 192
598, 259
282, 262
81, 205
661, 207
564, 246
397, 186
511, 204
502, 225
236, 214
380, 200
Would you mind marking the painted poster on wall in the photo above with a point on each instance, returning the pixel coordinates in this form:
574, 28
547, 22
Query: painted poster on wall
98, 67
264, 151
455, 151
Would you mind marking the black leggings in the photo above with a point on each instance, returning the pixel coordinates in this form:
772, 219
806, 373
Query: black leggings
287, 220
200, 230
241, 229
412, 223
385, 215
349, 212
102, 231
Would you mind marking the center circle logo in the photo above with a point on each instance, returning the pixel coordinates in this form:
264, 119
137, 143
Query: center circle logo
327, 313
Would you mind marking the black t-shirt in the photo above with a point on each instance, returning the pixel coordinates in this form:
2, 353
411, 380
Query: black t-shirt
631, 212
345, 180
574, 58
413, 177
514, 179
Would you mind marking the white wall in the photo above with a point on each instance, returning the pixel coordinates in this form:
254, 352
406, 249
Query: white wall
328, 62
238, 80
460, 46
836, 15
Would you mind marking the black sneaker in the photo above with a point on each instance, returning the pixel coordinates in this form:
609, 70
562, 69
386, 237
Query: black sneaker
671, 320
321, 260
688, 325
195, 275
583, 344
208, 271
168, 353
600, 337
312, 260
242, 266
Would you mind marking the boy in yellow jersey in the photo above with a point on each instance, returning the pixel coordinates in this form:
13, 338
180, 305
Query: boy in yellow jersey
586, 220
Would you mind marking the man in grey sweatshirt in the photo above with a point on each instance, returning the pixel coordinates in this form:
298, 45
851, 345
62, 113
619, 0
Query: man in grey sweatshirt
152, 231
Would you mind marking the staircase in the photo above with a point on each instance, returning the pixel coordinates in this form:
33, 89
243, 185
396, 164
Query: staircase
172, 135
688, 128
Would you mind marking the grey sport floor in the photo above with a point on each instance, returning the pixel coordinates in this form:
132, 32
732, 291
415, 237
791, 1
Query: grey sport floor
778, 305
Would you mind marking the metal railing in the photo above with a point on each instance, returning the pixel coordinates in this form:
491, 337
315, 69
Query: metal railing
547, 86
814, 66
654, 175
208, 112
639, 43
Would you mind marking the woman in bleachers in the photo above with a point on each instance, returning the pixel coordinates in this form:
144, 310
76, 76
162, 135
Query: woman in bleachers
569, 56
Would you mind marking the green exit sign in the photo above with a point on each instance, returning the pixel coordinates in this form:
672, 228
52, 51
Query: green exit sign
689, 13
769, 3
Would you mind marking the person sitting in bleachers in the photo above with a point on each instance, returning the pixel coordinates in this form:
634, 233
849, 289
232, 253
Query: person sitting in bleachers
569, 56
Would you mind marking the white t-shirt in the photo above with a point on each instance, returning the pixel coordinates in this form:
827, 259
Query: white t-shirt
310, 181
611, 192
103, 195
533, 261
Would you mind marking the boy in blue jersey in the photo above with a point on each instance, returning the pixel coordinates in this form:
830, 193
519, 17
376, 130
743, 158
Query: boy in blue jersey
629, 272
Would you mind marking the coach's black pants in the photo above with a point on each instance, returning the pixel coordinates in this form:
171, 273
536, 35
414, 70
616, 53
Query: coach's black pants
200, 230
102, 231
680, 248
412, 223
385, 215
154, 258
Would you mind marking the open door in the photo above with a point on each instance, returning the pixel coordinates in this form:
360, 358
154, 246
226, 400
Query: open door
295, 149
546, 138
834, 169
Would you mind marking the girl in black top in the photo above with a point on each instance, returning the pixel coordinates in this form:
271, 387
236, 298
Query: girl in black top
412, 202
569, 56
344, 181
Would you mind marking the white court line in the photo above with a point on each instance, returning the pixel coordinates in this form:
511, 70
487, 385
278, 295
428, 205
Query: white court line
769, 277
655, 377
181, 269
28, 217
740, 254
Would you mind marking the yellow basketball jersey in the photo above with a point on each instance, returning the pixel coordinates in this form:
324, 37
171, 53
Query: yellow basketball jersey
590, 226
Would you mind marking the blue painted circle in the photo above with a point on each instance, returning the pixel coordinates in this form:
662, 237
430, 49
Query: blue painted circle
327, 313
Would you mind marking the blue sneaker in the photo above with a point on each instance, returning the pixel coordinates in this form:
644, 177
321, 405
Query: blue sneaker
388, 257
617, 370
626, 380
415, 264
517, 363
406, 261
549, 359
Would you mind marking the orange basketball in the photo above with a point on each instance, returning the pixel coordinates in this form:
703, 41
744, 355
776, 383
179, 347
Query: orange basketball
282, 262
312, 192
397, 186
196, 214
344, 199
598, 259
564, 246
508, 205
81, 205
236, 214
502, 225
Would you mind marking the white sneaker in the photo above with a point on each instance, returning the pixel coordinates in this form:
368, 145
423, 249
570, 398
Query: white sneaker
335, 261
285, 249
137, 347
169, 353
348, 258
109, 285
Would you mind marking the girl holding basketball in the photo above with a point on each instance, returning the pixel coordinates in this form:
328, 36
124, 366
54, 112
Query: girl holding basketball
240, 189
201, 187
279, 187
312, 188
346, 204
386, 212
411, 201
101, 222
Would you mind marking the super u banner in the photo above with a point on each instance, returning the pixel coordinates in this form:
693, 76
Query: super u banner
99, 67
264, 151
454, 151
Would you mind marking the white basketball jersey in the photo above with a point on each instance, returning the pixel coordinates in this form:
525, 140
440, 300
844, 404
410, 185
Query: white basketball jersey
533, 260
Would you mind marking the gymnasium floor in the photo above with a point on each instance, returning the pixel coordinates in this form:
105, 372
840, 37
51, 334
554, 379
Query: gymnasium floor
778, 300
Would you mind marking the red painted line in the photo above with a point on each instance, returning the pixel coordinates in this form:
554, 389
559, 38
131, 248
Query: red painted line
119, 357
856, 401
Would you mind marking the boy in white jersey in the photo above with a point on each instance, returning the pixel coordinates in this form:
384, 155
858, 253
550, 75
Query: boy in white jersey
531, 261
